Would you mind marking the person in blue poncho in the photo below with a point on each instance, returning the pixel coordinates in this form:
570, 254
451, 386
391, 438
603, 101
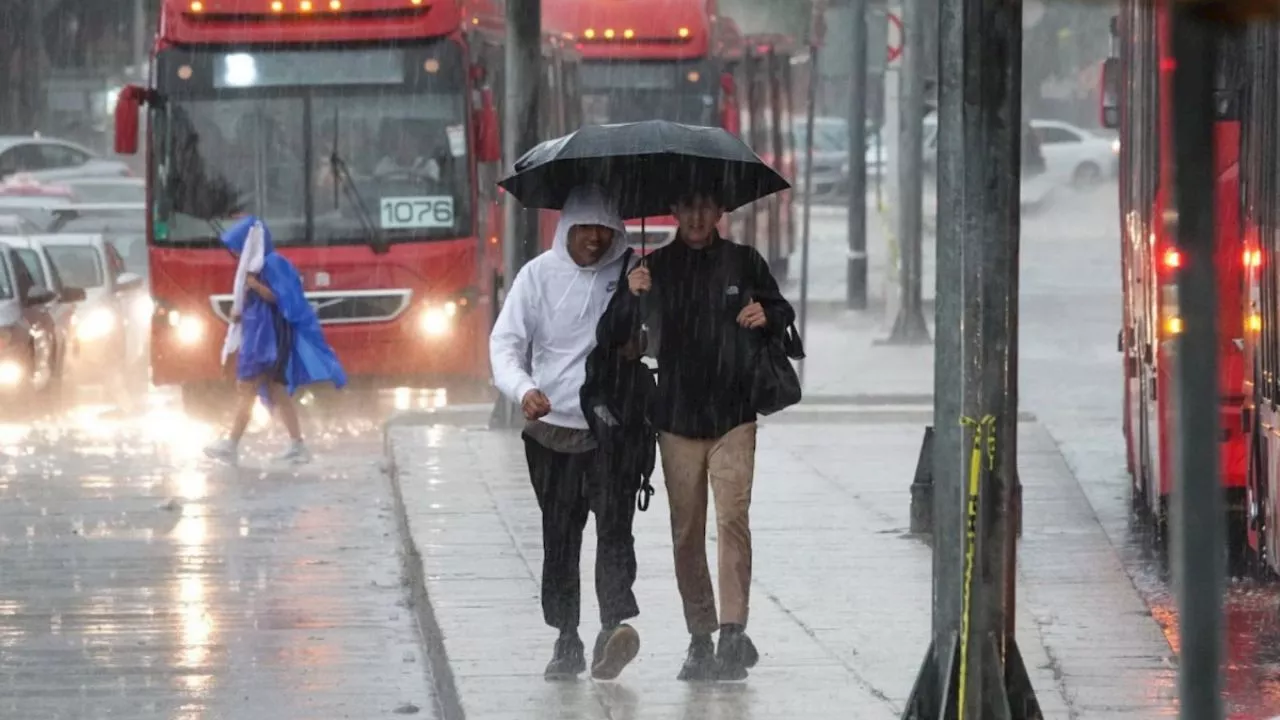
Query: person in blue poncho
276, 337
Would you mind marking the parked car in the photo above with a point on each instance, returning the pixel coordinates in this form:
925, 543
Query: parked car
831, 155
50, 159
17, 225
108, 341
96, 189
1072, 154
32, 346
42, 270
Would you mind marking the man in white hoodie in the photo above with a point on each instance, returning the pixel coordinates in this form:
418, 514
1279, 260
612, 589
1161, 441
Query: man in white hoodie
553, 308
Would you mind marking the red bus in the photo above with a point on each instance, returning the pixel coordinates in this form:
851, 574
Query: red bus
1256, 74
366, 135
1136, 101
680, 60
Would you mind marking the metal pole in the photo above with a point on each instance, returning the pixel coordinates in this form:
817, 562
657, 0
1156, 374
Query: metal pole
815, 35
909, 327
856, 271
523, 72
948, 370
1199, 526
974, 669
140, 38
520, 129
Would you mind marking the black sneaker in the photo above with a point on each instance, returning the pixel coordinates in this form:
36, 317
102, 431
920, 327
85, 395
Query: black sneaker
700, 663
568, 661
613, 651
736, 653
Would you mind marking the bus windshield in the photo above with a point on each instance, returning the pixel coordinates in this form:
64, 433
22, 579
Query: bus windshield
630, 91
323, 146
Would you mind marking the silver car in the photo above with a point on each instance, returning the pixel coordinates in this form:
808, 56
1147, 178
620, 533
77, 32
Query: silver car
33, 341
45, 159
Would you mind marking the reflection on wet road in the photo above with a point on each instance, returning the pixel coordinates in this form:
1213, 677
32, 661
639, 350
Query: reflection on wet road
141, 581
1252, 673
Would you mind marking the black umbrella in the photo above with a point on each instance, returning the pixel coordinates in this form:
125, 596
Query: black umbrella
647, 165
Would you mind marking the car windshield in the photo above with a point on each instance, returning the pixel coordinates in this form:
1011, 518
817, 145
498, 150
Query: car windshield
619, 92
80, 266
132, 248
376, 143
31, 261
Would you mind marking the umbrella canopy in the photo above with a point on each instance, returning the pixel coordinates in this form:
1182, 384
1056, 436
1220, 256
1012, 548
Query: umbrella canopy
646, 165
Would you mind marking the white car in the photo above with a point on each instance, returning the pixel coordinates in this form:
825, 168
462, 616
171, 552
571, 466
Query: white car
109, 328
1076, 155
101, 189
17, 225
52, 159
1072, 155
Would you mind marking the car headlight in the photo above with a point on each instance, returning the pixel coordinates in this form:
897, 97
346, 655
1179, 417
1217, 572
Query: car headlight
188, 328
437, 320
1115, 146
96, 324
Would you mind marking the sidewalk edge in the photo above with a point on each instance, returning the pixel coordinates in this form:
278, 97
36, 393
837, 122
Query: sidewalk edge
448, 701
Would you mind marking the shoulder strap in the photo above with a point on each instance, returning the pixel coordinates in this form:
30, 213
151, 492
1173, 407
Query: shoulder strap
626, 265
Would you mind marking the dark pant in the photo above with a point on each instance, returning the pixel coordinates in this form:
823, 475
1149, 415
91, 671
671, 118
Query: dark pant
568, 486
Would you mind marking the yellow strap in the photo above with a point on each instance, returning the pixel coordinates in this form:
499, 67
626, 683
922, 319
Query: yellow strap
980, 427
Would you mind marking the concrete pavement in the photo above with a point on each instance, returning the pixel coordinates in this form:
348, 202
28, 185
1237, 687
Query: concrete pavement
840, 595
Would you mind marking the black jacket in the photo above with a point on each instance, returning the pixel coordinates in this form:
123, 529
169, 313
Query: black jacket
704, 356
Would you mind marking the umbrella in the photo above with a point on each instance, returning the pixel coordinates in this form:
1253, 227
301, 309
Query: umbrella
647, 165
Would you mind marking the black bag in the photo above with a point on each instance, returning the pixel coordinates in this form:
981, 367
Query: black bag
777, 385
616, 397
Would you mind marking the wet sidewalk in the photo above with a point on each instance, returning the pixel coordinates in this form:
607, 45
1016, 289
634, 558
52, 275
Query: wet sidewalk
840, 596
141, 581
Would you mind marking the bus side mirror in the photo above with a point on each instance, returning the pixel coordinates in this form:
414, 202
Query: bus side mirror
128, 107
1110, 95
488, 142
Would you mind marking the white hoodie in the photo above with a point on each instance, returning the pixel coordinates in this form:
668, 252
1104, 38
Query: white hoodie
554, 306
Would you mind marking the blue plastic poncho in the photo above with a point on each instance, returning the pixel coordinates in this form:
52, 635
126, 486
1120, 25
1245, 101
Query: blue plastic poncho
291, 319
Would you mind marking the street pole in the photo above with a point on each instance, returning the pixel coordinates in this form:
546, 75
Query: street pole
816, 31
139, 38
973, 669
856, 271
1199, 526
519, 133
909, 327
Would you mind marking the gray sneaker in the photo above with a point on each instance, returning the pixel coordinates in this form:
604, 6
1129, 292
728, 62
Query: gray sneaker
224, 450
297, 454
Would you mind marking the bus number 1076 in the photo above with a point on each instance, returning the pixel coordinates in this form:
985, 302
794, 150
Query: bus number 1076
434, 211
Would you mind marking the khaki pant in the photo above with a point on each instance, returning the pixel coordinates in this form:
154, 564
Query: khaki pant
729, 464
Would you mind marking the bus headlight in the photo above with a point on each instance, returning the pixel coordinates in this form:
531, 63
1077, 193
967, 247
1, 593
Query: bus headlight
11, 373
437, 320
96, 324
188, 328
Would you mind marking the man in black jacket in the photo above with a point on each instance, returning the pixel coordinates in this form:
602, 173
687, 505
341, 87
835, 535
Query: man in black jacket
708, 297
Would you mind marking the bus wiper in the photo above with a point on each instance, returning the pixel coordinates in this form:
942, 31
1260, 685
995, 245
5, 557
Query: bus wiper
372, 234
338, 168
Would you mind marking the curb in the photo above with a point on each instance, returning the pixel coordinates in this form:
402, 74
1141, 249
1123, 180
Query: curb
448, 702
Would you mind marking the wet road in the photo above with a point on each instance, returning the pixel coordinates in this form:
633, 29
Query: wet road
1070, 316
138, 580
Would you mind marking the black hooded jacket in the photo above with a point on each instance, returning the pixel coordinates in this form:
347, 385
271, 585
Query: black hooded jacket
705, 370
